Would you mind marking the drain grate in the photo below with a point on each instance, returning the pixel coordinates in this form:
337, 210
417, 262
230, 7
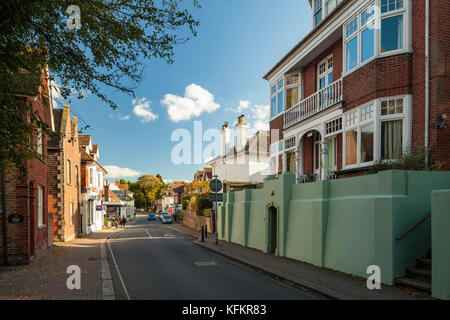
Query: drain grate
206, 264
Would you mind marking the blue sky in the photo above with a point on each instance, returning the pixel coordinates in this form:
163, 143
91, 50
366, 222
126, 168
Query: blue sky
238, 41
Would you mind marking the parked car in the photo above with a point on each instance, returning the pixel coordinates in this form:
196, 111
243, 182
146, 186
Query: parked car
166, 218
160, 215
151, 217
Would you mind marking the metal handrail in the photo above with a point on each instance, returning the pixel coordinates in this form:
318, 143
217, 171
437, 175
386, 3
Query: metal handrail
414, 226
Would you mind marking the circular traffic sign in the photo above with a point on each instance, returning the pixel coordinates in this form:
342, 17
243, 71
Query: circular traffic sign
215, 185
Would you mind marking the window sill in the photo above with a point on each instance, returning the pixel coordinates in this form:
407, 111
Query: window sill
375, 57
41, 227
356, 168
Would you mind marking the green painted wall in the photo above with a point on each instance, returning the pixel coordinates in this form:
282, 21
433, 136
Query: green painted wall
345, 224
440, 226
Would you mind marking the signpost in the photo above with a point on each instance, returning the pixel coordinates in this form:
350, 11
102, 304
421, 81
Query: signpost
216, 185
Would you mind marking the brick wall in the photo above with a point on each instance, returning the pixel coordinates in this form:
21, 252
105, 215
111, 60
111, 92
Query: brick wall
310, 71
383, 77
26, 240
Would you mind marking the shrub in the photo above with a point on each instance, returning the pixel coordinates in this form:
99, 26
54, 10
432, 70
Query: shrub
202, 204
185, 202
207, 212
409, 161
180, 216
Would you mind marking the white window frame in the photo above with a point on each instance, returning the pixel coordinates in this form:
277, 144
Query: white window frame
39, 141
332, 137
326, 73
278, 91
292, 86
407, 34
99, 177
40, 206
91, 176
376, 120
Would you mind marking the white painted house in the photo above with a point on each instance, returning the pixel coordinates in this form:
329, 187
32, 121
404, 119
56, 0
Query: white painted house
247, 160
92, 211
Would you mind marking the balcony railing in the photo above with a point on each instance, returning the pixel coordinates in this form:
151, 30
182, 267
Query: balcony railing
314, 104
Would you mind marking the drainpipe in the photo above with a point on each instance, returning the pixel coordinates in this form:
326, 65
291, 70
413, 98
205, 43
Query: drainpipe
427, 77
4, 226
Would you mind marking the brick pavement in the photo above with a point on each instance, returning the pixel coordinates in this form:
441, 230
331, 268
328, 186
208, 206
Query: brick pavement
45, 278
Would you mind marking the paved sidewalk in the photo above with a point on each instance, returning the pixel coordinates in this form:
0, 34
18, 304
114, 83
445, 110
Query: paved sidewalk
45, 278
332, 284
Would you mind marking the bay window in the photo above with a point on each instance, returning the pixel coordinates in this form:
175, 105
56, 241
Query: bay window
392, 33
378, 130
372, 33
277, 98
359, 135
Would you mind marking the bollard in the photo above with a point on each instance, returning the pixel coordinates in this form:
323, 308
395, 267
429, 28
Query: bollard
203, 234
206, 231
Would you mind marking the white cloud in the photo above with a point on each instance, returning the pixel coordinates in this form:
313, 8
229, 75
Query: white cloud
243, 105
118, 172
142, 109
259, 118
196, 100
126, 117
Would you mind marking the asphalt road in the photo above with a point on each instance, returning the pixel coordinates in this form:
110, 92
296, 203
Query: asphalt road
153, 262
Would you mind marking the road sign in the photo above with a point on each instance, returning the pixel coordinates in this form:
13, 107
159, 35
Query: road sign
215, 185
218, 197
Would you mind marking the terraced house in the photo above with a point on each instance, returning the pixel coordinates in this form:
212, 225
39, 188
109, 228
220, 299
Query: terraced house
368, 83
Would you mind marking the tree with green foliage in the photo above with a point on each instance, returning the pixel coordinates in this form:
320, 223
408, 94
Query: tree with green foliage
150, 186
107, 51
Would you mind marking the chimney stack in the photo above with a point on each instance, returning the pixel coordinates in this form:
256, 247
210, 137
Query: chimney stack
106, 188
241, 134
225, 139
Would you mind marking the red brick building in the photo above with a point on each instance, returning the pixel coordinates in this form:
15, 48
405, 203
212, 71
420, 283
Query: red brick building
364, 86
26, 196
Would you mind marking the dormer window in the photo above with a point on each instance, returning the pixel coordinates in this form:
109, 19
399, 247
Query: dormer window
323, 8
317, 12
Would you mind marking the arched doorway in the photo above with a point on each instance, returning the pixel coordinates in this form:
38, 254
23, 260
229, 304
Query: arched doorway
309, 157
273, 230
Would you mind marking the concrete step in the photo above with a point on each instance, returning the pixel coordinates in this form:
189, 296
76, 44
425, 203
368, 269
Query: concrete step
420, 274
424, 263
415, 283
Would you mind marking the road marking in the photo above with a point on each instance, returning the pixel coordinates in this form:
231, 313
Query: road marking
206, 264
149, 235
117, 268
